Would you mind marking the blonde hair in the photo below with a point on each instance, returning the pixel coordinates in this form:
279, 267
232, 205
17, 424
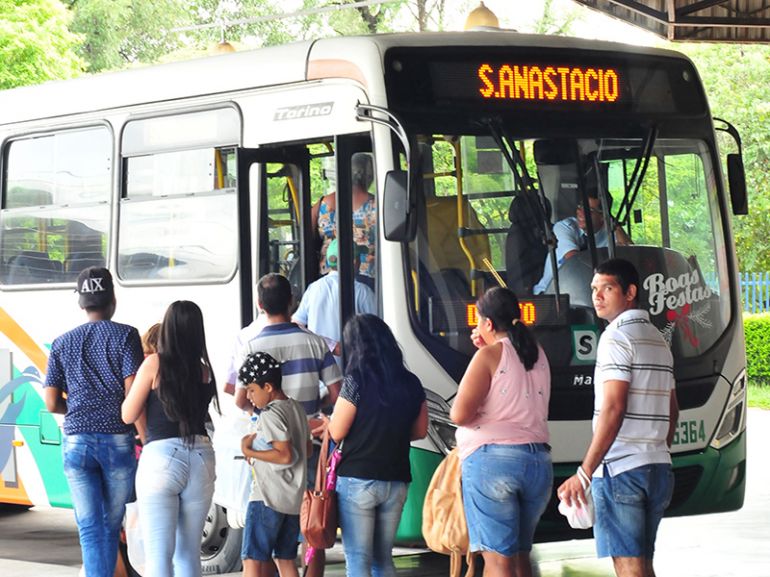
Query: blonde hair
150, 339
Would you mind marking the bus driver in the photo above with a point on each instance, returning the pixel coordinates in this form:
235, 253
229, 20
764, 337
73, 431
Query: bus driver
572, 236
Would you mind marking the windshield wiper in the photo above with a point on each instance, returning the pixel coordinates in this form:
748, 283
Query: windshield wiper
637, 176
535, 201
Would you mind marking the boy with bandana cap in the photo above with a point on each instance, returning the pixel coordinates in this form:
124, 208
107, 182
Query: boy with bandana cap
280, 471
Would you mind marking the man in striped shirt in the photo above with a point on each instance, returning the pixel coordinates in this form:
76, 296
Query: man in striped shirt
635, 413
305, 363
304, 356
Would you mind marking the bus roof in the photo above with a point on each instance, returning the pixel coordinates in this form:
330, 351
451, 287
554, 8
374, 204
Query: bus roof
347, 57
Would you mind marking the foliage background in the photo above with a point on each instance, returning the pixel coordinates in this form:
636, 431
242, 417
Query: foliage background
757, 330
35, 43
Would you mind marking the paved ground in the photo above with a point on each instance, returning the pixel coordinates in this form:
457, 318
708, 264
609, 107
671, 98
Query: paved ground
44, 542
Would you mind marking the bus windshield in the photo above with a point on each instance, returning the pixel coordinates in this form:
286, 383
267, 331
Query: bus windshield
486, 223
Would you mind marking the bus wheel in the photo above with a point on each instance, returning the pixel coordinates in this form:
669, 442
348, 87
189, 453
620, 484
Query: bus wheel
220, 545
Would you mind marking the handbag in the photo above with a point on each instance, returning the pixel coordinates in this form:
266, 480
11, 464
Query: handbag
318, 515
580, 517
444, 526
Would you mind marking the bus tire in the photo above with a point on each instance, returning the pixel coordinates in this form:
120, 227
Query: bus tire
220, 545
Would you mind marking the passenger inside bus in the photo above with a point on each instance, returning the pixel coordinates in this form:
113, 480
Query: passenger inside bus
324, 221
571, 232
319, 309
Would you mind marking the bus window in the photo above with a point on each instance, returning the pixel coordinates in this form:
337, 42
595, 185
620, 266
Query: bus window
178, 216
56, 212
677, 208
467, 188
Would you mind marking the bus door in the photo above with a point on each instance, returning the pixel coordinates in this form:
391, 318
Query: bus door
356, 226
297, 214
272, 203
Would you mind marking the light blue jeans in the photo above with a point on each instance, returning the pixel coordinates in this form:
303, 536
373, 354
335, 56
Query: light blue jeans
174, 487
100, 472
506, 489
369, 513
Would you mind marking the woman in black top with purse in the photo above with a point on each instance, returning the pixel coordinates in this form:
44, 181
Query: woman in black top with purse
380, 410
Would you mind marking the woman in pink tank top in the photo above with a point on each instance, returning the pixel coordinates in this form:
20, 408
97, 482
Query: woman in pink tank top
501, 410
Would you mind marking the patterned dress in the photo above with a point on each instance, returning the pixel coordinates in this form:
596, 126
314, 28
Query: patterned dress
364, 226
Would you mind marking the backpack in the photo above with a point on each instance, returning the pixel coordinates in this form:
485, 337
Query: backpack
443, 517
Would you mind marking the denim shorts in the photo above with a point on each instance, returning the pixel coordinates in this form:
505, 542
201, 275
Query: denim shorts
505, 491
269, 533
629, 507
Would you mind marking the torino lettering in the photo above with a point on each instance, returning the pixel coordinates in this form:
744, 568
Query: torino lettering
554, 83
304, 111
674, 292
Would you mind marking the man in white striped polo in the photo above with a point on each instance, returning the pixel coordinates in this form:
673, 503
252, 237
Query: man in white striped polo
635, 413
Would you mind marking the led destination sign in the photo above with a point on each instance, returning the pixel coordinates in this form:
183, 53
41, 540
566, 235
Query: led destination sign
471, 82
549, 83
540, 310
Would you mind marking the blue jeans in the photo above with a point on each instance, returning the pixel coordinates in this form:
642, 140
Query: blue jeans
174, 487
269, 534
505, 490
100, 472
369, 513
629, 507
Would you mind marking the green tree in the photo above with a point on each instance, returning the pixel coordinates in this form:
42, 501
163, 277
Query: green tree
554, 22
737, 81
121, 32
35, 43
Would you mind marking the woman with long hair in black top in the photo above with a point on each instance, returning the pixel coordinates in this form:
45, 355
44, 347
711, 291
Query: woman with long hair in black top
175, 480
380, 410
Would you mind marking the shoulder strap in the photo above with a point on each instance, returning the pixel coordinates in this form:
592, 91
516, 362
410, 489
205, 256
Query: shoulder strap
323, 457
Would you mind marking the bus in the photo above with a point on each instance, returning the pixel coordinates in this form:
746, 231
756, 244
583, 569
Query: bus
191, 180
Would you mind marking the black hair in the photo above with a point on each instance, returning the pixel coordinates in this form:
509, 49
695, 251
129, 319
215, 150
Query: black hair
501, 306
107, 311
623, 271
375, 360
182, 355
592, 183
274, 294
361, 170
261, 368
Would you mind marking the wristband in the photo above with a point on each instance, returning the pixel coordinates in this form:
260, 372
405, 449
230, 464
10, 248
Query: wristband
583, 476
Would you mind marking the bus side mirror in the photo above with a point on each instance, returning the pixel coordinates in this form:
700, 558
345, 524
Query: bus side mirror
736, 178
736, 175
398, 221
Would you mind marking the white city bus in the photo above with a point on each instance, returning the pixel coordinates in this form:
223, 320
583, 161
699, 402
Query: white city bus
191, 180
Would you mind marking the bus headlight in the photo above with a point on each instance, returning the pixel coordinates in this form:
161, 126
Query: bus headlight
441, 430
733, 420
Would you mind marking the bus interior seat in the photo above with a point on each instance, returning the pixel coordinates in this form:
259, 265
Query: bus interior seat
31, 267
141, 265
525, 250
79, 261
442, 233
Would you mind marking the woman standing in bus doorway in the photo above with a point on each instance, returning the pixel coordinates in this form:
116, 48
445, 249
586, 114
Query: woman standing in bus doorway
380, 410
502, 412
175, 479
324, 219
